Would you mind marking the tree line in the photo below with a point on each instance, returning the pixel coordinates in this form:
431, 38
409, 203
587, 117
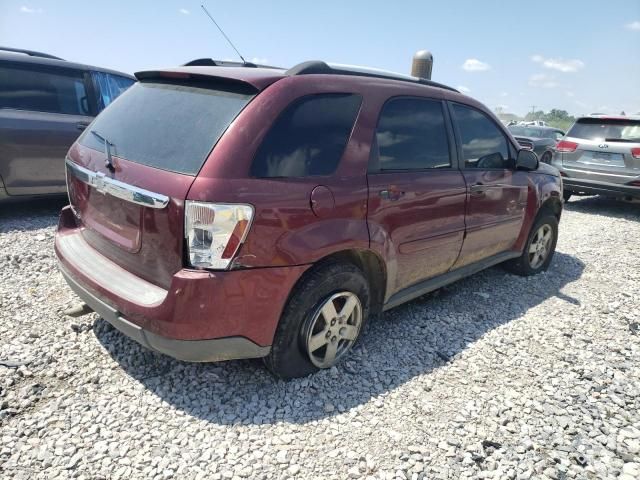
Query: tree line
555, 118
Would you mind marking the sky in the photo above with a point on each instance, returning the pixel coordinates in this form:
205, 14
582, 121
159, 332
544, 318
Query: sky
582, 56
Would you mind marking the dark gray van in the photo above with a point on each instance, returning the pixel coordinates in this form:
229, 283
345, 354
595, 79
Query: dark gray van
45, 103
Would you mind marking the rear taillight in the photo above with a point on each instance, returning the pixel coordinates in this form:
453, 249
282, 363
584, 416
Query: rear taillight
214, 232
635, 152
566, 146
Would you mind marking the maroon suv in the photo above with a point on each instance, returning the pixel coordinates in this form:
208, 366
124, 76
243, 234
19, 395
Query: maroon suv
234, 212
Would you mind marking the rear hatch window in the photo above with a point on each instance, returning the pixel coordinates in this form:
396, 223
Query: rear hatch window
165, 125
606, 130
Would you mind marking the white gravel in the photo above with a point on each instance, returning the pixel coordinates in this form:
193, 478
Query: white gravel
496, 376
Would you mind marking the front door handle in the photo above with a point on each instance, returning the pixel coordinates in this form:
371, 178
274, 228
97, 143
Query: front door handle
81, 125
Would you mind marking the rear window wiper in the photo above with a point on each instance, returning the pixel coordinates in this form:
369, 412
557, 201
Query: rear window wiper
107, 150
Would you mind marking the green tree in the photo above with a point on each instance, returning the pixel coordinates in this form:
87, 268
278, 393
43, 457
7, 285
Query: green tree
555, 117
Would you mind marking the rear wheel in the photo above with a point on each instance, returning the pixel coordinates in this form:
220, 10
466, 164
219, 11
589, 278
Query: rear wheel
540, 247
321, 322
566, 195
546, 158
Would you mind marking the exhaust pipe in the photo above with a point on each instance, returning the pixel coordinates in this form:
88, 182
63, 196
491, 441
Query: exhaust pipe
422, 64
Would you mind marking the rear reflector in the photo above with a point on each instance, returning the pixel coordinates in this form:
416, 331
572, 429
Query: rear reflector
566, 146
635, 152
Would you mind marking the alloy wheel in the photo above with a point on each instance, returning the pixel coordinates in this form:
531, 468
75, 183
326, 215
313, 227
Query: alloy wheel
333, 329
540, 246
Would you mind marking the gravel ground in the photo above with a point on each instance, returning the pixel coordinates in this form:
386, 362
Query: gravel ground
496, 376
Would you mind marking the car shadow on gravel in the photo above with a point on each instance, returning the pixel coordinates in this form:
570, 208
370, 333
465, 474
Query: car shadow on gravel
409, 341
31, 214
606, 207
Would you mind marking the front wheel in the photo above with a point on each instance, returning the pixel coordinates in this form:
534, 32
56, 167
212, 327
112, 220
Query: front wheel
566, 195
540, 247
321, 322
546, 158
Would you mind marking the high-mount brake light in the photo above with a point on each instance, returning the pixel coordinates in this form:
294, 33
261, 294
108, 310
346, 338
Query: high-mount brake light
214, 232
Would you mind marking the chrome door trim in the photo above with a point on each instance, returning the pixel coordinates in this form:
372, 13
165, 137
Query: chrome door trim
116, 188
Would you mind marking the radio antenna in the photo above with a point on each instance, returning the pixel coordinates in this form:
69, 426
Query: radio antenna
223, 34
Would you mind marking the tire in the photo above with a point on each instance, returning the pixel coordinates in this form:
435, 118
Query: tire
566, 195
306, 321
546, 158
529, 263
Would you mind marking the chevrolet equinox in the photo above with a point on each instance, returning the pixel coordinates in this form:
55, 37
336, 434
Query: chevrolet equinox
225, 212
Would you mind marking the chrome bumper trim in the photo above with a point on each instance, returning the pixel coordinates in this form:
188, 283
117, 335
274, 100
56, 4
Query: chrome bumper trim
116, 188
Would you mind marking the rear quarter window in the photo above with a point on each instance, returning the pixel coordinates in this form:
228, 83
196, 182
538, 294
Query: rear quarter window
109, 87
308, 138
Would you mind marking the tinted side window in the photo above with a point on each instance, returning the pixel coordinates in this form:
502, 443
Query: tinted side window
308, 138
411, 135
109, 87
483, 144
43, 91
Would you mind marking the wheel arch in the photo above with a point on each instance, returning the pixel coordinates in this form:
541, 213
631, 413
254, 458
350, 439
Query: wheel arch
369, 262
553, 205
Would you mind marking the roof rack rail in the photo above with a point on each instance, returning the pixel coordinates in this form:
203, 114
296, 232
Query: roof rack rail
323, 68
210, 62
31, 53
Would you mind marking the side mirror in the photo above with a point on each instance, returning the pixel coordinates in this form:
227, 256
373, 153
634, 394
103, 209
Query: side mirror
527, 160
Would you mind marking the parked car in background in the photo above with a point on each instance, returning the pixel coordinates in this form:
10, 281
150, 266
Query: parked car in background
542, 140
45, 103
600, 155
534, 123
240, 212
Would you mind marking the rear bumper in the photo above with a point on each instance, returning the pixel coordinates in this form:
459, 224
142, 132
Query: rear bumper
187, 350
203, 316
599, 188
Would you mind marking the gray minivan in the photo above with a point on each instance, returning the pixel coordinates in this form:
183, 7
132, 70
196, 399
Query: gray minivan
45, 103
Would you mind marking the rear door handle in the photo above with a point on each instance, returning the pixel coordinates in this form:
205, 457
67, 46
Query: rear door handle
478, 189
391, 194
81, 125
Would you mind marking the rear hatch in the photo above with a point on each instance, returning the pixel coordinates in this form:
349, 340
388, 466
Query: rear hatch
525, 142
158, 135
602, 149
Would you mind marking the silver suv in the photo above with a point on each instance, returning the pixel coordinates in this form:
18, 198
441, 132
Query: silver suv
600, 155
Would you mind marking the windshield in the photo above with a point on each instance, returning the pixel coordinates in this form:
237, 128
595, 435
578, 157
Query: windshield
166, 126
609, 129
526, 131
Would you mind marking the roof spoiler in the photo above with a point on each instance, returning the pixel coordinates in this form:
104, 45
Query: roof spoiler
177, 76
